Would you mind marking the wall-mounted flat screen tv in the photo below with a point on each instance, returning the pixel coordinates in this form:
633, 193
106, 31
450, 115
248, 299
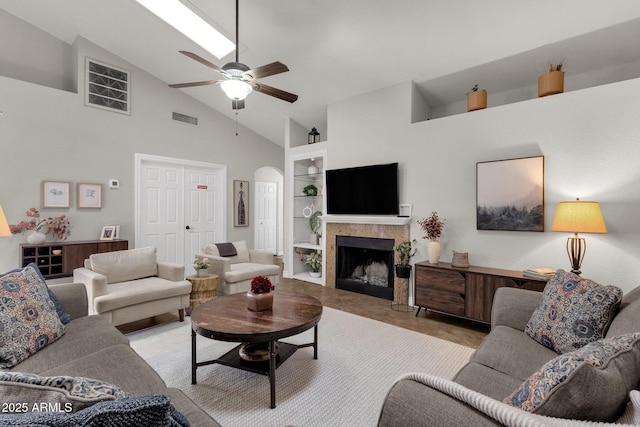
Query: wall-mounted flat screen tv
363, 190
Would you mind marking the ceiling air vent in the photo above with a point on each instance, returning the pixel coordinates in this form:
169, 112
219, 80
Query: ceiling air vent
107, 87
179, 117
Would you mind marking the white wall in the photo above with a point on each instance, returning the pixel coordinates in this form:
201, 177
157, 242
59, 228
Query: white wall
590, 140
49, 134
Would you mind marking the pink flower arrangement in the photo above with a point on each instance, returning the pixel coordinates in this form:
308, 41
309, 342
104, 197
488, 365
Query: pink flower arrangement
58, 226
261, 285
432, 226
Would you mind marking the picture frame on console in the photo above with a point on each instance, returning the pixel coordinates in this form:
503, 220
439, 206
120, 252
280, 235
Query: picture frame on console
108, 232
55, 194
510, 194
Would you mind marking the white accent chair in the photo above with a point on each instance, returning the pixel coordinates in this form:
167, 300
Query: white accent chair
130, 285
236, 272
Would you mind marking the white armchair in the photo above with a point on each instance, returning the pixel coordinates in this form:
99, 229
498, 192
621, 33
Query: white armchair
235, 272
129, 285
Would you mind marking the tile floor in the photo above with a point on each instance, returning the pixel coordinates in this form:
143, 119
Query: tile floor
438, 325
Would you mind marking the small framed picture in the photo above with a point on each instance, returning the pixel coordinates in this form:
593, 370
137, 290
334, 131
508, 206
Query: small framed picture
55, 194
116, 232
108, 232
89, 195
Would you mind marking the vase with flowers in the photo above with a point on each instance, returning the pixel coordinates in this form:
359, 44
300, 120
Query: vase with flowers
432, 227
260, 297
201, 266
58, 227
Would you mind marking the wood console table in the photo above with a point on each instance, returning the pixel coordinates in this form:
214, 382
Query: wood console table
465, 292
59, 259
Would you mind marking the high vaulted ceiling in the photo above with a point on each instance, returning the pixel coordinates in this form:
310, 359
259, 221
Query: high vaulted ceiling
335, 49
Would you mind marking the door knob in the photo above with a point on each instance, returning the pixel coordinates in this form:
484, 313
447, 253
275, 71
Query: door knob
187, 227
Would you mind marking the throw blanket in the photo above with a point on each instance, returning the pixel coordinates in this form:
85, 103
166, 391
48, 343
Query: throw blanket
226, 249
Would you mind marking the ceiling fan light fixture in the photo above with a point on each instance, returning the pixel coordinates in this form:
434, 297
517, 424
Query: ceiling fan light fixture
236, 89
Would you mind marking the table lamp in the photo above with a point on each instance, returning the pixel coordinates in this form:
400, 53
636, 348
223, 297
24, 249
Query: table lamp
578, 217
4, 227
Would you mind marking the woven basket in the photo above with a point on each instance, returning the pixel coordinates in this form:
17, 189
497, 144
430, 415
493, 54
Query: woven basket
460, 259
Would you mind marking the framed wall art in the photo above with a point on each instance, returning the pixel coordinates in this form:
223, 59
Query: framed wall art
240, 203
510, 194
55, 194
89, 195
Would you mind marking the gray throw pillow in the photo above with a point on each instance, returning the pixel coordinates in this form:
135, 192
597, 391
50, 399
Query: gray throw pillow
591, 383
573, 312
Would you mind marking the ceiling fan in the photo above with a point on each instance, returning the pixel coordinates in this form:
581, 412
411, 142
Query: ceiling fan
238, 80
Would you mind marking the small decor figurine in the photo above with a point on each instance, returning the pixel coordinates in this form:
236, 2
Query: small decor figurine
58, 227
432, 227
314, 260
260, 297
404, 252
201, 266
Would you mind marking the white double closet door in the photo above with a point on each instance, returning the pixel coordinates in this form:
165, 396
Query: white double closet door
180, 207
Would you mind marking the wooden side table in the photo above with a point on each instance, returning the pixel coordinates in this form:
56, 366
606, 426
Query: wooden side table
202, 289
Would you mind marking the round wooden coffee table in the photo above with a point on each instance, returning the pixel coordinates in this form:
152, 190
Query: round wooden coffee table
227, 318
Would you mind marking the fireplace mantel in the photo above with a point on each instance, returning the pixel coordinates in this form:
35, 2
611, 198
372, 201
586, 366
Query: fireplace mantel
366, 219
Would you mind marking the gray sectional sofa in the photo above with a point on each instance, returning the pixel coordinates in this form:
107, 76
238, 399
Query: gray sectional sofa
93, 348
505, 359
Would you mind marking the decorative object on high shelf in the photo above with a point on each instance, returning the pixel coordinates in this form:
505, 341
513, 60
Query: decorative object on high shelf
55, 194
476, 99
432, 227
313, 169
201, 266
241, 203
552, 81
58, 227
310, 190
510, 194
260, 297
315, 222
314, 260
314, 136
460, 259
307, 211
89, 195
404, 252
578, 217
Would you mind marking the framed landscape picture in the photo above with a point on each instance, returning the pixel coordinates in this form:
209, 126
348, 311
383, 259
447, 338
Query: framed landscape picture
510, 194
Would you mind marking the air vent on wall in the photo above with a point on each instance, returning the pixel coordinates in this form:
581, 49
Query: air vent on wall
107, 87
179, 117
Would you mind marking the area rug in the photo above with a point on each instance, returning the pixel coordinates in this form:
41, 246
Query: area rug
358, 361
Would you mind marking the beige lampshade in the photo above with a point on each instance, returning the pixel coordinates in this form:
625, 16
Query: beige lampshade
579, 217
4, 227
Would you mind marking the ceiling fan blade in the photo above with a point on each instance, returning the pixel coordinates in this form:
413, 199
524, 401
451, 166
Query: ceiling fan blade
237, 104
200, 60
192, 84
278, 93
267, 70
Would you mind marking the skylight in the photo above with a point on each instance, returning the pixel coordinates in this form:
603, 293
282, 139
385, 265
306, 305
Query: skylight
191, 25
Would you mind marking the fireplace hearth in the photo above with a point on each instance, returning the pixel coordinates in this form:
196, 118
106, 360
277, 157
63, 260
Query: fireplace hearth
365, 265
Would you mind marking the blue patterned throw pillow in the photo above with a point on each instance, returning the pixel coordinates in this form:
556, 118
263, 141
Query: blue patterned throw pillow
28, 317
144, 411
573, 312
591, 383
63, 393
